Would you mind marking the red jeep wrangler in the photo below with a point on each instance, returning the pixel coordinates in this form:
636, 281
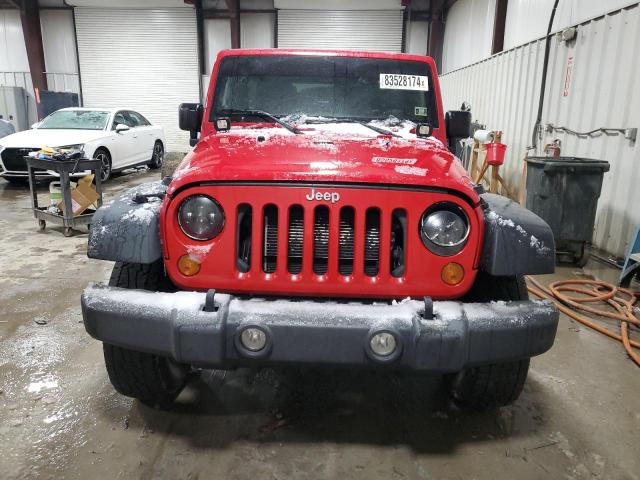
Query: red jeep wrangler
320, 220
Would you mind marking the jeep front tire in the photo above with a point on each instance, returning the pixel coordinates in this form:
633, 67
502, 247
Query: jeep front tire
499, 384
152, 379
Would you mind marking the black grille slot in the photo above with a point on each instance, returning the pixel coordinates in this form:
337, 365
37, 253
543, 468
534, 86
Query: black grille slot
270, 239
13, 158
321, 240
243, 238
345, 248
398, 242
295, 220
372, 242
296, 236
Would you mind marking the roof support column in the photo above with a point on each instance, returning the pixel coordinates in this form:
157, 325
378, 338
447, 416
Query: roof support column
436, 39
234, 18
30, 16
499, 23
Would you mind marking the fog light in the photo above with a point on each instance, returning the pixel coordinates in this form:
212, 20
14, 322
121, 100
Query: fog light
253, 339
188, 266
383, 344
452, 273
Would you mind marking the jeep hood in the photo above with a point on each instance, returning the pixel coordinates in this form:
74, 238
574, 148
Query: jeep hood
328, 153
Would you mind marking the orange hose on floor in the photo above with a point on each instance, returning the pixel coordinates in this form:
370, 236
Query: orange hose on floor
592, 291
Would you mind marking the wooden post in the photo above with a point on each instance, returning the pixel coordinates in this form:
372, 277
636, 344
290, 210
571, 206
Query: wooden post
483, 170
522, 193
478, 153
493, 183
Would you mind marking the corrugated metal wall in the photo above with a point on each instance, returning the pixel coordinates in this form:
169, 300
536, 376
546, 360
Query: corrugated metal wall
602, 92
528, 20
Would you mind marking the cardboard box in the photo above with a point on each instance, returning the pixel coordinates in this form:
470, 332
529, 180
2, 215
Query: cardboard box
83, 196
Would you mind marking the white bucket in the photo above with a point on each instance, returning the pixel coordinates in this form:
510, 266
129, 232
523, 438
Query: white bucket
55, 193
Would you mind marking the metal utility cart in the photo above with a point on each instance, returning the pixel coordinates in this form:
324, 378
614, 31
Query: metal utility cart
64, 168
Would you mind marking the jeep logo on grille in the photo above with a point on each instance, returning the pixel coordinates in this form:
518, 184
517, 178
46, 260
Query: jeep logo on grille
332, 197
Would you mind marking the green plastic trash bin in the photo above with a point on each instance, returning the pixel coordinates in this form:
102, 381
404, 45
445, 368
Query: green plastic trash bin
564, 192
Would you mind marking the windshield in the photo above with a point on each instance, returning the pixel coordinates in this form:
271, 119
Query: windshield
324, 86
75, 120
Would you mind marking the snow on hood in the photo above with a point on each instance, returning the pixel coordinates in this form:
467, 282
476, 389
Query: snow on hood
330, 152
50, 138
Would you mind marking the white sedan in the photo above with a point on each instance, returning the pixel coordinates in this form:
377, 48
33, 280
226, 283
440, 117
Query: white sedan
119, 137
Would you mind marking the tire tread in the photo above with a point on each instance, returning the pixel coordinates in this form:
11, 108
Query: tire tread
138, 374
490, 386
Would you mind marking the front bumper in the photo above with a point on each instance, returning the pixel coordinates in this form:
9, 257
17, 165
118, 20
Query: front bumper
40, 174
24, 174
316, 333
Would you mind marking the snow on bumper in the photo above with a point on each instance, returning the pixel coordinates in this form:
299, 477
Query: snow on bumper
318, 333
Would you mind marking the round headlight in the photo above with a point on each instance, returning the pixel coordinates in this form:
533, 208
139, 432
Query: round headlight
200, 217
444, 229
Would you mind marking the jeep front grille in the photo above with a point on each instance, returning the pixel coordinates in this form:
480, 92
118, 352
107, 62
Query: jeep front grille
339, 241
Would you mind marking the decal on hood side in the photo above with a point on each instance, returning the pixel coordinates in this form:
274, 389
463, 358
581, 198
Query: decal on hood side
396, 161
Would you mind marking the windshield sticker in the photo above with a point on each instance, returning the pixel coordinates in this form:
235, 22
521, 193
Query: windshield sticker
421, 112
396, 161
397, 81
407, 170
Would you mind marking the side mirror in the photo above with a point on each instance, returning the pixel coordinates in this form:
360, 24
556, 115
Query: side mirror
190, 119
458, 124
121, 127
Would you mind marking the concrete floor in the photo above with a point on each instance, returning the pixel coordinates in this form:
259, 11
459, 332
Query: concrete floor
579, 416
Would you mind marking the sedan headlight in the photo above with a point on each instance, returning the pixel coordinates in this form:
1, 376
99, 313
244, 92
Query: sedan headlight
201, 217
77, 146
444, 229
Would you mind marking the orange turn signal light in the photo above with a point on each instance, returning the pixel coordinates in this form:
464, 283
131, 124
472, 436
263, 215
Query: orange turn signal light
188, 266
452, 273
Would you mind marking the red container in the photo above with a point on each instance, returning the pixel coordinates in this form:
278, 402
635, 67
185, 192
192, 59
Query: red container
495, 153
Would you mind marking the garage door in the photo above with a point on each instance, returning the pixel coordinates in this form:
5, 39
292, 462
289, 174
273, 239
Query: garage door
146, 60
376, 30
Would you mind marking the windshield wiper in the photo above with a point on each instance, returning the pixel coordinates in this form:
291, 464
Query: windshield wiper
260, 113
382, 131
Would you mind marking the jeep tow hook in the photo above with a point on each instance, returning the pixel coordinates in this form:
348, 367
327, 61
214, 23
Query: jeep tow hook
428, 308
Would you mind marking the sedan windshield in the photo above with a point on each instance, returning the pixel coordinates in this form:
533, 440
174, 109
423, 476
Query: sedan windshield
355, 88
76, 120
